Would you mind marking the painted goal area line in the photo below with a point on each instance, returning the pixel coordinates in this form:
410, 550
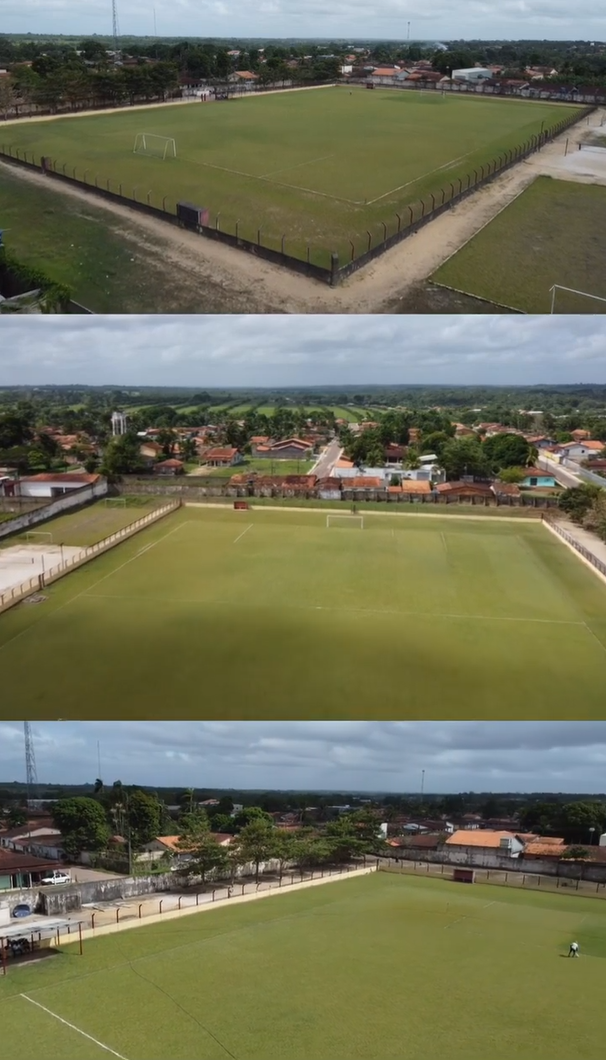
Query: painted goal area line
268, 179
73, 1027
211, 602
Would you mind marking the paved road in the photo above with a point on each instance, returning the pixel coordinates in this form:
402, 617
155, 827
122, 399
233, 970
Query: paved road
326, 459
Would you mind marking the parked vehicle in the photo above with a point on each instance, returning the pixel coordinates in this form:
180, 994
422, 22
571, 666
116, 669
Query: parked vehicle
55, 877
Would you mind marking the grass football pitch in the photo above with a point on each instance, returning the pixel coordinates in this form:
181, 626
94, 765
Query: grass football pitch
374, 967
264, 614
321, 168
551, 234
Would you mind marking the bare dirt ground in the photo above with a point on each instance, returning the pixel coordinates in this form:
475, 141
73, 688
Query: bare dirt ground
392, 283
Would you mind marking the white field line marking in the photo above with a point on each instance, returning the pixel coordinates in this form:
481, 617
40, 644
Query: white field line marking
286, 169
488, 904
249, 527
595, 636
94, 585
345, 610
279, 183
73, 1027
446, 165
454, 922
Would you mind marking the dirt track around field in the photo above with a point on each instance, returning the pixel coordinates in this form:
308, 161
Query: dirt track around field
378, 288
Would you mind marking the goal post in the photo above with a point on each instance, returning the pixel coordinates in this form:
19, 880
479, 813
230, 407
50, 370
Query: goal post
155, 146
114, 502
563, 300
40, 535
355, 521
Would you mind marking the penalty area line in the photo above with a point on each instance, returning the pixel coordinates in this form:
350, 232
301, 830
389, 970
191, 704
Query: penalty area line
249, 527
73, 1027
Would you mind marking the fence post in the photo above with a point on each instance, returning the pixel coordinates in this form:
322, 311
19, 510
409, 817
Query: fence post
118, 915
160, 906
399, 221
140, 910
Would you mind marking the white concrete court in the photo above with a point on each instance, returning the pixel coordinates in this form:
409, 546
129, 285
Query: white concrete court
20, 562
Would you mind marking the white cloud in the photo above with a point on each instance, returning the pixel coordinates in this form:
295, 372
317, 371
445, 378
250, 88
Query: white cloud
430, 20
371, 756
281, 351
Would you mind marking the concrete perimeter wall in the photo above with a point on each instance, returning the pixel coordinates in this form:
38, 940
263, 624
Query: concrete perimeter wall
571, 870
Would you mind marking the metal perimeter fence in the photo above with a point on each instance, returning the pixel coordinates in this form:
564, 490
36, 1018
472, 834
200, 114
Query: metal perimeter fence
499, 877
36, 584
316, 262
578, 547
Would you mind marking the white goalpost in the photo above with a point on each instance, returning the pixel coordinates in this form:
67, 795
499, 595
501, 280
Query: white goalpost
114, 502
41, 535
569, 290
155, 146
356, 521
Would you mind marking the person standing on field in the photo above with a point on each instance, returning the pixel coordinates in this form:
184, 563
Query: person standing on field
574, 949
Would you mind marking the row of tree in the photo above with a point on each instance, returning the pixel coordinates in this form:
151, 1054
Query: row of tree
586, 506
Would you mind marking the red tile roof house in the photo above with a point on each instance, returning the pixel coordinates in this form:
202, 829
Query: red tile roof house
483, 841
287, 449
169, 467
169, 845
227, 457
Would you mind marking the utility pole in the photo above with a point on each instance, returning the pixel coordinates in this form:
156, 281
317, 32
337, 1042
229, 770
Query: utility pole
422, 784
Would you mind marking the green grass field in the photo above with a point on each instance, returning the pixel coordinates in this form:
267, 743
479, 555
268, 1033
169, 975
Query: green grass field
370, 968
213, 613
93, 523
551, 234
320, 168
265, 467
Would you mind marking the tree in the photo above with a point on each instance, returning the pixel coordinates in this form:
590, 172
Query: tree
506, 450
196, 839
575, 853
578, 500
256, 843
82, 823
143, 817
464, 456
576, 819
250, 814
122, 456
16, 816
344, 839
512, 474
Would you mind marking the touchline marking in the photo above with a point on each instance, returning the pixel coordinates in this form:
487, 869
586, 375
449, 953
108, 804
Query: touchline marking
249, 527
85, 592
286, 169
73, 1027
455, 922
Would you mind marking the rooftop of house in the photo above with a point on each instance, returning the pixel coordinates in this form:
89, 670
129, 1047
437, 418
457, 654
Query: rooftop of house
221, 454
481, 837
410, 485
63, 476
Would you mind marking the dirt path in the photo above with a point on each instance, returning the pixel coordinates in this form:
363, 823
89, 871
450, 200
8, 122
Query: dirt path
374, 289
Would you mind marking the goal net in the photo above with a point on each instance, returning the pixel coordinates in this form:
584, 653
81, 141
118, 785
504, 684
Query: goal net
350, 521
39, 536
155, 146
567, 300
114, 502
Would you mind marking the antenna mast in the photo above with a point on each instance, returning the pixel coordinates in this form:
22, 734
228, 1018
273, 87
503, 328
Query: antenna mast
115, 29
31, 775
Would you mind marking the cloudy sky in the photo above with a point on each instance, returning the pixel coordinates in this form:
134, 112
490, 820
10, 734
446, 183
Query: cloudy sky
362, 756
379, 19
249, 351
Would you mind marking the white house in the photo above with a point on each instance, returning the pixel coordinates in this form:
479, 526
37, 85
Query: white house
580, 450
51, 484
473, 73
